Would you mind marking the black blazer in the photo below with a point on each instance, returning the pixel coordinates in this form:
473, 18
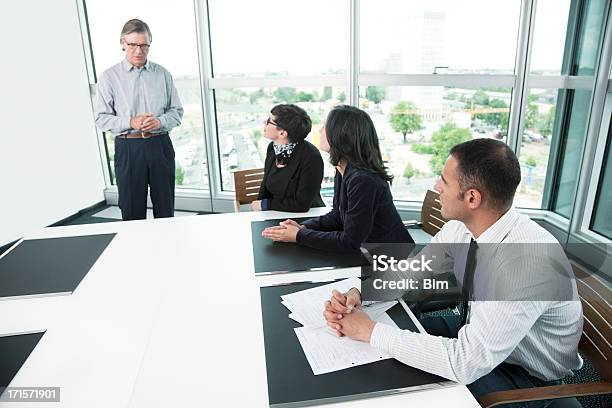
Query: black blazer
299, 181
363, 212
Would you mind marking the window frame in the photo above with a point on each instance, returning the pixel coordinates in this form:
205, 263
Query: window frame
217, 200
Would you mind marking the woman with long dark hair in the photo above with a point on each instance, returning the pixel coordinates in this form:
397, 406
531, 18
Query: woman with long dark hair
363, 209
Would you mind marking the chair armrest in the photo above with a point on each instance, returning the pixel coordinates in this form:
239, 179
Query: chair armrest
411, 223
545, 393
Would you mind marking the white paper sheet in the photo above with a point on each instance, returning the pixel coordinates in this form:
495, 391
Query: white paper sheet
307, 305
327, 352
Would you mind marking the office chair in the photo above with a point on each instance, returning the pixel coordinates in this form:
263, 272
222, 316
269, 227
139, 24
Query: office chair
247, 183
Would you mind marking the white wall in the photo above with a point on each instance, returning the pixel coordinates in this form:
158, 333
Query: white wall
50, 165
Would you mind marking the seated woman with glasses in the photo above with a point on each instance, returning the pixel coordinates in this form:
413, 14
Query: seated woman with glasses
363, 208
294, 167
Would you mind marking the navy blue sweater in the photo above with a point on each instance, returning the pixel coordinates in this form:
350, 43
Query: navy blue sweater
363, 211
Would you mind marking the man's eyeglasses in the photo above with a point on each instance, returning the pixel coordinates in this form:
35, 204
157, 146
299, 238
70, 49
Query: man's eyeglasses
143, 47
268, 121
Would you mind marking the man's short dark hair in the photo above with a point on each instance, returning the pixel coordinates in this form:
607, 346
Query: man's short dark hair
136, 26
294, 120
490, 167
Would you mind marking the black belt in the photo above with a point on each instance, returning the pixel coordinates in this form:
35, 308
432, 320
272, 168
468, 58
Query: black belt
140, 135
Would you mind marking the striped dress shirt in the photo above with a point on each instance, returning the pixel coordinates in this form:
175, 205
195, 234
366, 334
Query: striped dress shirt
125, 91
539, 335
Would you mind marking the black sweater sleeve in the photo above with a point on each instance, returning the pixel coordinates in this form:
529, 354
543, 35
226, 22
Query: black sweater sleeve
358, 220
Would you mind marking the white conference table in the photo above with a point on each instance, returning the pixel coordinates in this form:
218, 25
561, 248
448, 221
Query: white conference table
168, 316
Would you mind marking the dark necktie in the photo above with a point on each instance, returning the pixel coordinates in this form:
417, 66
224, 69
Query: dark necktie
468, 281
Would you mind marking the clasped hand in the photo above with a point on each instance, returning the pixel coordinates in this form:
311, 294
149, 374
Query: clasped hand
286, 231
345, 316
145, 122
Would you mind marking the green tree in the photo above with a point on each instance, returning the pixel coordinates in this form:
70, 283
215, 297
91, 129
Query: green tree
547, 127
256, 135
480, 98
422, 148
452, 96
532, 112
304, 97
495, 118
284, 95
443, 140
230, 96
255, 96
404, 118
375, 93
327, 94
342, 97
409, 171
504, 118
179, 175
531, 161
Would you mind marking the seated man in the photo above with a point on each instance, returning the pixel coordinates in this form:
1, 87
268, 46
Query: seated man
525, 334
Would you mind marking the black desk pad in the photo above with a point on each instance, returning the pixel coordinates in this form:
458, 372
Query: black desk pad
270, 256
14, 351
51, 265
291, 382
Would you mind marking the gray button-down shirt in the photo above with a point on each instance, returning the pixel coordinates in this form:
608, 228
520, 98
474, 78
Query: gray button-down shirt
125, 91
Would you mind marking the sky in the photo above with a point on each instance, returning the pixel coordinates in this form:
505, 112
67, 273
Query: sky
311, 37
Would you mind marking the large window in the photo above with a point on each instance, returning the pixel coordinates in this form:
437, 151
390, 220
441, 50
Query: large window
602, 218
439, 36
431, 73
174, 46
240, 114
536, 139
278, 37
417, 126
549, 36
581, 53
295, 52
457, 66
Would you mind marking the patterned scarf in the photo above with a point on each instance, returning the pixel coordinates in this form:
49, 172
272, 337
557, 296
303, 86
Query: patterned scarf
283, 152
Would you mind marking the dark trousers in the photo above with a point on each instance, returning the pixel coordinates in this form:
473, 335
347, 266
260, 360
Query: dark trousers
140, 164
504, 377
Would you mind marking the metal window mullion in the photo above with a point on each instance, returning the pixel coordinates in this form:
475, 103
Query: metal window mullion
561, 82
592, 162
92, 79
86, 41
275, 81
599, 161
523, 58
353, 54
205, 64
449, 80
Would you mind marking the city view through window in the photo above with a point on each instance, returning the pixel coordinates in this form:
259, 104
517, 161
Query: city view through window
415, 139
417, 125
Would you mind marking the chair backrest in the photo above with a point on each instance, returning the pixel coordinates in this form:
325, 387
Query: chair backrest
596, 298
247, 183
431, 216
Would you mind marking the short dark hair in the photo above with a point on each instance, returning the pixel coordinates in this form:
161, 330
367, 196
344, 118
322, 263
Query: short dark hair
352, 137
490, 167
294, 120
135, 26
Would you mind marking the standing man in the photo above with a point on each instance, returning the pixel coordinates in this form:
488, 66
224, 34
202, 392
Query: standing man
138, 102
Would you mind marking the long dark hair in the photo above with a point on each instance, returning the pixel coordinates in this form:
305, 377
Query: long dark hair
352, 138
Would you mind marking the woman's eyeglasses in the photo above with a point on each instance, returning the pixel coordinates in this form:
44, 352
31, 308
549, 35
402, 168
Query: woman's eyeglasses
268, 121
